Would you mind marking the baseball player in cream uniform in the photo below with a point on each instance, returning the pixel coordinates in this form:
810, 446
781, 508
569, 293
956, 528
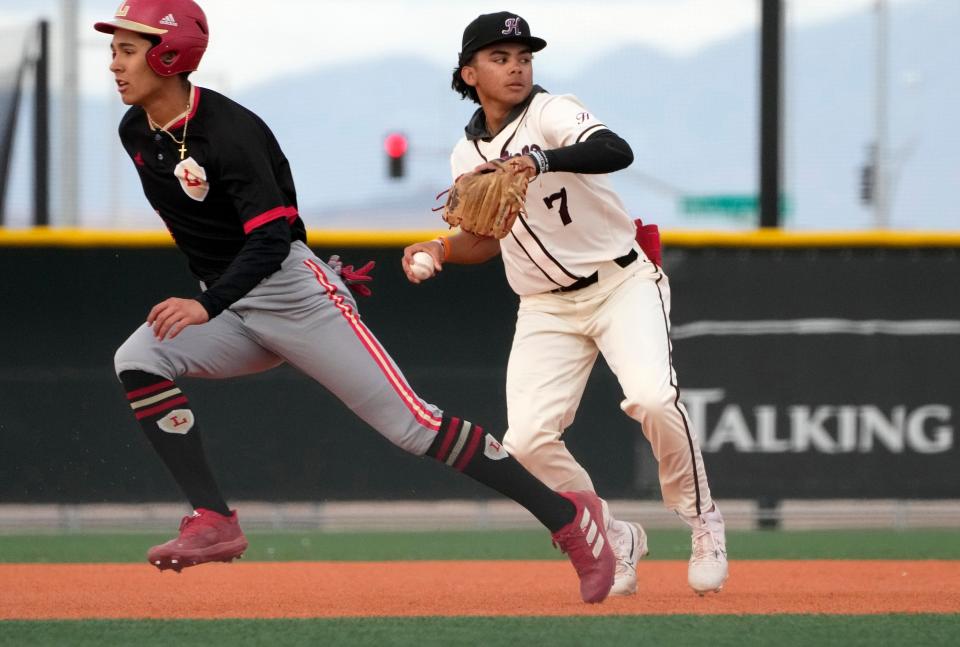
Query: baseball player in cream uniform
585, 287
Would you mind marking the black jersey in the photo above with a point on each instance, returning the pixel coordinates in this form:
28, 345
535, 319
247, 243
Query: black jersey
233, 180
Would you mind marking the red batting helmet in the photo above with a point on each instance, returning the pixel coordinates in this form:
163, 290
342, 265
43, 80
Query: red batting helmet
180, 25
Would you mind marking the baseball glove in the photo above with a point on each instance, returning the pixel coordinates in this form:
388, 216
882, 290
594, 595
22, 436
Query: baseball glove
487, 203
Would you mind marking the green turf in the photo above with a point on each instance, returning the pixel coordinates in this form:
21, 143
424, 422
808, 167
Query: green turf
286, 546
715, 631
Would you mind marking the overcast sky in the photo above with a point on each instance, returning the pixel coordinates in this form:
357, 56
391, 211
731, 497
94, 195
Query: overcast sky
252, 41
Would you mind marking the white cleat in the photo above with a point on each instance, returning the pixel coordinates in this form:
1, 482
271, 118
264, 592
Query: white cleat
629, 543
708, 568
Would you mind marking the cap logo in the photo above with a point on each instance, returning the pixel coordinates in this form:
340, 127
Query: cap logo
511, 26
169, 20
122, 10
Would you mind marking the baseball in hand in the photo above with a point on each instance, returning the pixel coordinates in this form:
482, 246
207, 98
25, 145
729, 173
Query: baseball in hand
422, 265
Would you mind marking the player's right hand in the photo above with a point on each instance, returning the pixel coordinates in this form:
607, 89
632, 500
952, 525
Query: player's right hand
432, 247
168, 318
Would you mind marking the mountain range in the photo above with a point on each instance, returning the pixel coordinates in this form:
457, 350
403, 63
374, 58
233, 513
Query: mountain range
692, 123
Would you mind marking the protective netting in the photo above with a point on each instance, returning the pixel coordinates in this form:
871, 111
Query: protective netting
13, 63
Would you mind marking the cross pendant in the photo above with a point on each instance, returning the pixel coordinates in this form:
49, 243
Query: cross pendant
183, 150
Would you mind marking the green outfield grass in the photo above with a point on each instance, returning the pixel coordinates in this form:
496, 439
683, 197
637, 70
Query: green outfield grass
523, 544
714, 631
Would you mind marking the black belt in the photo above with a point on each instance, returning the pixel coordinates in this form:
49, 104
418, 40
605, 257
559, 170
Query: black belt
623, 261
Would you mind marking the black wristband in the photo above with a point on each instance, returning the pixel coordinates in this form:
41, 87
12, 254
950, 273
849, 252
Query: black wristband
539, 160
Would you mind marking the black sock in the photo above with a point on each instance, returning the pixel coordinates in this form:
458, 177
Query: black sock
469, 449
166, 418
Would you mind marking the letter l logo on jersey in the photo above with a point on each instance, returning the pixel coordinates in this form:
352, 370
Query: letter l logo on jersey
193, 179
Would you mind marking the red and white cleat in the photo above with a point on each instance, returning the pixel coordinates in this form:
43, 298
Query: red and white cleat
205, 536
584, 540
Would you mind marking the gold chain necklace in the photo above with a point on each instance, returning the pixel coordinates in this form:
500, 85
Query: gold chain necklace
182, 142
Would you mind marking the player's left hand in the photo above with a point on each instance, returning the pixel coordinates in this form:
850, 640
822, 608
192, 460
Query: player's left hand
519, 164
168, 318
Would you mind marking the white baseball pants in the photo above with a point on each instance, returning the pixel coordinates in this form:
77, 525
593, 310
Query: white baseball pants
625, 316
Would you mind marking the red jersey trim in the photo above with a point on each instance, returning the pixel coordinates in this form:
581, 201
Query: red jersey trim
290, 213
194, 104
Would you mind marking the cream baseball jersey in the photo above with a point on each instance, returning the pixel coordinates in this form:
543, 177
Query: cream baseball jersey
573, 221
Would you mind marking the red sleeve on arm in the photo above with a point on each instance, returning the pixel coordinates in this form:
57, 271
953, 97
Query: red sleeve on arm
290, 213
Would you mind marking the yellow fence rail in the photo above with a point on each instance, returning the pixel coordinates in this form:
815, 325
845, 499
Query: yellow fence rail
763, 238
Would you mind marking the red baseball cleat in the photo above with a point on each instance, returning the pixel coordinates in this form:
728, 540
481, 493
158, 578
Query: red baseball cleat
584, 540
205, 536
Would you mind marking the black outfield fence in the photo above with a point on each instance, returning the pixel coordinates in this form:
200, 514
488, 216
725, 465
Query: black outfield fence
814, 371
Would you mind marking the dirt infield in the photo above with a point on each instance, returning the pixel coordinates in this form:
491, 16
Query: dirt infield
495, 588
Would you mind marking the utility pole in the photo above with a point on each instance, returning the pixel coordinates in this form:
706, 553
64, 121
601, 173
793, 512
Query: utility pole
771, 93
881, 195
69, 117
41, 126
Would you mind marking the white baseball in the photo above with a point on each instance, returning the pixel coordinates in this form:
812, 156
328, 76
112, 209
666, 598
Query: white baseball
422, 265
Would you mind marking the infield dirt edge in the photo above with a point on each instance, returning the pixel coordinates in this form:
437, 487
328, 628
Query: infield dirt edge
472, 588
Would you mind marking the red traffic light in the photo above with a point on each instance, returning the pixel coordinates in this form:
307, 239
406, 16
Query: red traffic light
395, 144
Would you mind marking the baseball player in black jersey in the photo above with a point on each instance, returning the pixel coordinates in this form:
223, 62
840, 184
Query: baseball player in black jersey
218, 179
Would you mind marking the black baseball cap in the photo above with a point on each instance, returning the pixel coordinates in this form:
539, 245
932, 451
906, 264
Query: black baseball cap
491, 28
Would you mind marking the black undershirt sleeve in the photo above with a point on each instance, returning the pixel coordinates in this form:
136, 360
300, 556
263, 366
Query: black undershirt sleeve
603, 152
261, 255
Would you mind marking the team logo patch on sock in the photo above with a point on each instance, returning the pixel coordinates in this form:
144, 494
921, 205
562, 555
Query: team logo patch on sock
492, 449
178, 421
